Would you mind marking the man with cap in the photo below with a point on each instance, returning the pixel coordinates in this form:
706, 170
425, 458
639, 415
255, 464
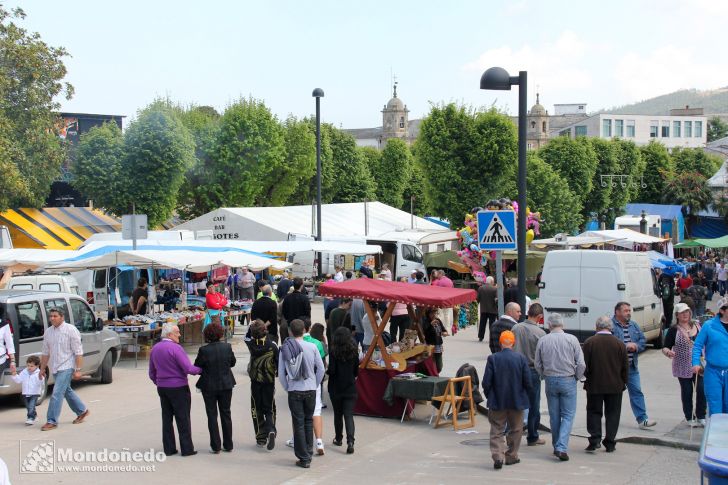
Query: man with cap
506, 383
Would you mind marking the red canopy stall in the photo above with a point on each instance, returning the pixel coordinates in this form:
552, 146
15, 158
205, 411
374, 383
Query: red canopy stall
372, 381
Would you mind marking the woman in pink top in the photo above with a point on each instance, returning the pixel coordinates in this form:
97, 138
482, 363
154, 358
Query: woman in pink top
400, 320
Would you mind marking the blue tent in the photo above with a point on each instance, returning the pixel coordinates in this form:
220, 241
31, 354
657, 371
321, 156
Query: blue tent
665, 263
667, 213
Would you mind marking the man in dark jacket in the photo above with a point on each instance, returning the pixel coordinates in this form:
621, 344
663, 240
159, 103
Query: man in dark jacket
265, 309
283, 286
263, 370
505, 322
606, 379
506, 384
296, 304
487, 299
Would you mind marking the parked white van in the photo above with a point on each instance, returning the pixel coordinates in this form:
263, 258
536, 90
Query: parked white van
583, 285
63, 283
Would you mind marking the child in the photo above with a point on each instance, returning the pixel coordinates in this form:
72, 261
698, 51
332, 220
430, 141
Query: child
434, 331
32, 385
262, 369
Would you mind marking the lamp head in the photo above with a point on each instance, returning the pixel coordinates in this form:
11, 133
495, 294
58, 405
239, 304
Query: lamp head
496, 78
318, 93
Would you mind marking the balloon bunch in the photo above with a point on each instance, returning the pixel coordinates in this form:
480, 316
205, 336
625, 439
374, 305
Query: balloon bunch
470, 253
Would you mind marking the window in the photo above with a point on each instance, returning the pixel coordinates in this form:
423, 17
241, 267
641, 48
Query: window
665, 132
566, 133
50, 287
676, 129
100, 278
83, 317
654, 128
619, 128
543, 127
698, 129
630, 128
530, 146
22, 286
401, 121
580, 130
533, 125
30, 320
688, 129
440, 247
606, 128
411, 253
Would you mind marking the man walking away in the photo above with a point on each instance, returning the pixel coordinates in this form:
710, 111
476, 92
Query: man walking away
266, 310
300, 371
296, 304
487, 295
528, 333
627, 331
560, 361
262, 369
505, 322
606, 375
506, 383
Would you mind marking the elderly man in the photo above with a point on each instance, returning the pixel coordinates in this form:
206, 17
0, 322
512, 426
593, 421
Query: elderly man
560, 361
629, 333
505, 322
506, 384
487, 296
63, 353
266, 310
606, 379
168, 370
528, 333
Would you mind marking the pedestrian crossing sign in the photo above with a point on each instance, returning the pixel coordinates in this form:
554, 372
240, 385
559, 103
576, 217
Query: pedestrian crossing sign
497, 230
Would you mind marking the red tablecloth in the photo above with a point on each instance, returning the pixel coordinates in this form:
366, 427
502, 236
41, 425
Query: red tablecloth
371, 384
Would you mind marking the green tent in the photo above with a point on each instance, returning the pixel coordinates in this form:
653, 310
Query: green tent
719, 242
691, 243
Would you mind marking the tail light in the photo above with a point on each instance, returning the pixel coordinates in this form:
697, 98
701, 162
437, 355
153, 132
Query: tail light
90, 297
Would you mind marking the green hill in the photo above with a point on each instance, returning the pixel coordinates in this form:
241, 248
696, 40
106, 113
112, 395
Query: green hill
711, 100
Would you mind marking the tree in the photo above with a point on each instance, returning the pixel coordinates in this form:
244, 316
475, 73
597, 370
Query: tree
466, 158
576, 162
373, 159
691, 191
393, 172
158, 151
631, 165
696, 160
98, 165
31, 74
415, 187
352, 181
550, 195
305, 192
717, 129
600, 198
249, 153
660, 167
300, 161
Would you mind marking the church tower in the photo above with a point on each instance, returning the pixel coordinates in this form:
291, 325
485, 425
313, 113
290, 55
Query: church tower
537, 132
395, 119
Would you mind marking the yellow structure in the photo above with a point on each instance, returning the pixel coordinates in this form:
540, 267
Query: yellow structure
56, 227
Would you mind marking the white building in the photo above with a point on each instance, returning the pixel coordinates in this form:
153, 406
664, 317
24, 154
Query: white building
671, 131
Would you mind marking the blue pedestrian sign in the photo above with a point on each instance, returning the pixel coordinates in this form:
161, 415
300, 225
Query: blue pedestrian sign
497, 230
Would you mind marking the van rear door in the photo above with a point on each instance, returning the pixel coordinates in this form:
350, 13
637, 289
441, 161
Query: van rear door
599, 280
561, 290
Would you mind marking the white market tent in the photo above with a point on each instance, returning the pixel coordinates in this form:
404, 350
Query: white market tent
625, 238
358, 220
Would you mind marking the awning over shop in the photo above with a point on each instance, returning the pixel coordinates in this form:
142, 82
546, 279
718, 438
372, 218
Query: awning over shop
56, 227
380, 290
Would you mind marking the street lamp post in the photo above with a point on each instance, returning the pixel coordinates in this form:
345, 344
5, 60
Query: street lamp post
318, 93
497, 78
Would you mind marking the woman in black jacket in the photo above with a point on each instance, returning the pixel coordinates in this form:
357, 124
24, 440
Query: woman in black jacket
216, 359
342, 371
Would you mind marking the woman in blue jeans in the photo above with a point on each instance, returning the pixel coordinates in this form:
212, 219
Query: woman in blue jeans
713, 339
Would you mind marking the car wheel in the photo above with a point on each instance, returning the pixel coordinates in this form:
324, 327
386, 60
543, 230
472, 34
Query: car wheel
106, 368
659, 342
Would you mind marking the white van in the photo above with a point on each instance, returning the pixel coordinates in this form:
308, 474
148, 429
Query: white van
119, 281
583, 285
63, 283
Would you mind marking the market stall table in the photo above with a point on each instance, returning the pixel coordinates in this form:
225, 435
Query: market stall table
414, 389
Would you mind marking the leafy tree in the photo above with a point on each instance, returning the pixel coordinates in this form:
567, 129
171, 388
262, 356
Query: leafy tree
660, 167
717, 129
466, 158
696, 160
600, 198
300, 162
31, 74
373, 159
393, 172
629, 163
249, 153
691, 191
352, 181
98, 165
576, 162
158, 151
415, 187
305, 191
550, 195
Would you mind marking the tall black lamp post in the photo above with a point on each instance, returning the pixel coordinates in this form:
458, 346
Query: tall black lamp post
318, 93
497, 78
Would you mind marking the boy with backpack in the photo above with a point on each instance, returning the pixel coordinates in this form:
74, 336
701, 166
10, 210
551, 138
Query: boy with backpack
263, 370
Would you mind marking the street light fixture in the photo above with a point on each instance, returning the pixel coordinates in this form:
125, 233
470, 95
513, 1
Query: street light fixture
497, 78
318, 93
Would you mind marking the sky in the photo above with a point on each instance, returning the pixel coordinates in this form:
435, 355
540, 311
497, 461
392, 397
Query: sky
126, 54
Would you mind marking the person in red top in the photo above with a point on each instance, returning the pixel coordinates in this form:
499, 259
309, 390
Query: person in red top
684, 283
215, 302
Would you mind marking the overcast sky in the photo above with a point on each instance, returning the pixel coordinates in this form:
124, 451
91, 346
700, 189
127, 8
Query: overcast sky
124, 54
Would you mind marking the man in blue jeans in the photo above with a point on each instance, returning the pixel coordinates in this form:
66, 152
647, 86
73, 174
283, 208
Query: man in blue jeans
62, 352
629, 333
528, 333
560, 361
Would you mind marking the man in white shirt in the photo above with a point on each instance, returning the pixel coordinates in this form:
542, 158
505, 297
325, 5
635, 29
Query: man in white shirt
63, 355
339, 276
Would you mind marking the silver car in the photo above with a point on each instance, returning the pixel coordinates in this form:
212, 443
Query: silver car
27, 312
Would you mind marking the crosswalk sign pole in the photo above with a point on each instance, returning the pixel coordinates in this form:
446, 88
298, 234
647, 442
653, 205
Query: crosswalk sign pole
499, 282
